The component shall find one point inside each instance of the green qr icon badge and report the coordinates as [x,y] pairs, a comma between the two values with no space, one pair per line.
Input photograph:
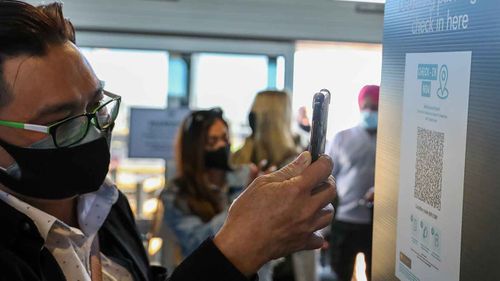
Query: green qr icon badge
[426,89]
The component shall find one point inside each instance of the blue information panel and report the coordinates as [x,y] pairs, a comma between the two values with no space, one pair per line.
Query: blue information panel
[153,131]
[438,157]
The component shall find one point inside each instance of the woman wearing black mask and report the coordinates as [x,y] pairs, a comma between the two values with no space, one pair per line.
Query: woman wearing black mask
[195,202]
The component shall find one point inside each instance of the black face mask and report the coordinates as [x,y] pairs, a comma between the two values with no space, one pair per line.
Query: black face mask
[306,128]
[252,121]
[57,173]
[218,159]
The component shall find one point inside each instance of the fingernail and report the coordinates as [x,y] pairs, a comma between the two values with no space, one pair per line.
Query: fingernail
[303,158]
[326,156]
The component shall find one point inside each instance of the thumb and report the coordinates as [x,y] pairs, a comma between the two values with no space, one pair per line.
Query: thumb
[315,241]
[293,169]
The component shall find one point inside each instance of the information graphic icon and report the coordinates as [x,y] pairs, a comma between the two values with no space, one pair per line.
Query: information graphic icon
[442,92]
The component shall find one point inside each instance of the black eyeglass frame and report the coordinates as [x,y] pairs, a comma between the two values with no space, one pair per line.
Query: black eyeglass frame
[90,116]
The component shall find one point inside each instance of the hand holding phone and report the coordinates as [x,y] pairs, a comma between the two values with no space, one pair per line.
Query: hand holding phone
[321,102]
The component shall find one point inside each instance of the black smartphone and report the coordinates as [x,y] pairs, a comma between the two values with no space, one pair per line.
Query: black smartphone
[321,102]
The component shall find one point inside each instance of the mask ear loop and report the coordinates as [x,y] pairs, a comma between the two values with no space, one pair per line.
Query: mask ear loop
[13,171]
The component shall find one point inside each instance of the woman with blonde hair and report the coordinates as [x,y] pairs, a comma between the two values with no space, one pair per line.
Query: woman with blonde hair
[272,139]
[273,143]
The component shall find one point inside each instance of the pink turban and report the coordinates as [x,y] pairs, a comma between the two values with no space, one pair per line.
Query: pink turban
[371,91]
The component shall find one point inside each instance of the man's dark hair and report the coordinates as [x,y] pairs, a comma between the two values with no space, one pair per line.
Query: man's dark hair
[29,30]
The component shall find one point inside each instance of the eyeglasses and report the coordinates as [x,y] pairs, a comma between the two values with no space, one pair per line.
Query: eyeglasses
[196,118]
[72,130]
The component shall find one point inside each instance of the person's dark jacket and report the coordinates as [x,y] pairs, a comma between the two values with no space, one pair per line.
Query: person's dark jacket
[23,257]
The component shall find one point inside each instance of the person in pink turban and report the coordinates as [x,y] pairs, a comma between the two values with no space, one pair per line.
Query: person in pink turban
[368,105]
[353,152]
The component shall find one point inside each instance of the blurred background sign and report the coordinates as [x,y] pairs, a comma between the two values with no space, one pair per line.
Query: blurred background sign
[153,131]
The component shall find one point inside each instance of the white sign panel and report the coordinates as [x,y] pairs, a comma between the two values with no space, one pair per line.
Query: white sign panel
[433,139]
[153,132]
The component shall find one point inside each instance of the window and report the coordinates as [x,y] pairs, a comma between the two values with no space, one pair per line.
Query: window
[157,79]
[231,82]
[140,77]
[342,68]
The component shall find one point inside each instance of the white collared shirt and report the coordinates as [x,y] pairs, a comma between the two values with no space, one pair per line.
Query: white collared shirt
[70,246]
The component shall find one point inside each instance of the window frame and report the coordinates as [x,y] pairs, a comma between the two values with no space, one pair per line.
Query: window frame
[185,44]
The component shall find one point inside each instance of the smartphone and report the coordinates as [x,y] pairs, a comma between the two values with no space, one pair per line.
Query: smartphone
[321,103]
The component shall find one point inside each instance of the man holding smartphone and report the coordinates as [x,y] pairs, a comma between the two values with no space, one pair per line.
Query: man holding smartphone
[61,220]
[353,151]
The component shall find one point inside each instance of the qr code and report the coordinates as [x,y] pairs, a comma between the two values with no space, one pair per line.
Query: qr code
[429,167]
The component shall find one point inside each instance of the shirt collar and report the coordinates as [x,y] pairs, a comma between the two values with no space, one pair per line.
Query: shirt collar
[92,208]
[42,220]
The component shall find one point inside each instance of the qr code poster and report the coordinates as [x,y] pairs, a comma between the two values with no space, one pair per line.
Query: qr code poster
[429,167]
[432,164]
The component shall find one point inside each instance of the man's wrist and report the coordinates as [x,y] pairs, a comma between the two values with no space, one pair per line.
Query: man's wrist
[242,255]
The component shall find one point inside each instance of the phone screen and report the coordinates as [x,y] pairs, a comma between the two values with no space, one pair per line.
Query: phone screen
[321,102]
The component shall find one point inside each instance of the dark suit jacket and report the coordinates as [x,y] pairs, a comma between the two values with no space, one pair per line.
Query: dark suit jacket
[23,257]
